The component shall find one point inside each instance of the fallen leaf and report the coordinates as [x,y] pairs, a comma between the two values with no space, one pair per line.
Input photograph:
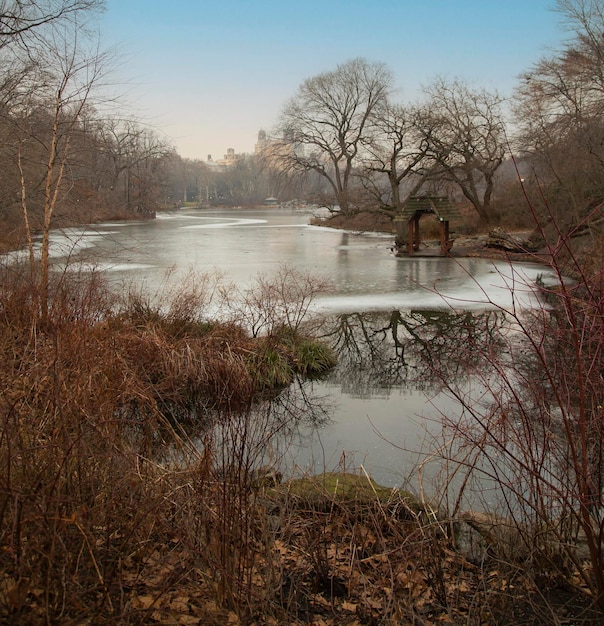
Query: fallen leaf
[180,604]
[142,602]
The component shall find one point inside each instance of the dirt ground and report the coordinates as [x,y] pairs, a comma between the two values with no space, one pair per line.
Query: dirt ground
[464,245]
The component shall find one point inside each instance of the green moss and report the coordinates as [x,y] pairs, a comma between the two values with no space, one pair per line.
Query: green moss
[346,489]
[284,353]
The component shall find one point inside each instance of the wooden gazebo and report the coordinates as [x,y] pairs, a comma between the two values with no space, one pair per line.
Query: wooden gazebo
[415,208]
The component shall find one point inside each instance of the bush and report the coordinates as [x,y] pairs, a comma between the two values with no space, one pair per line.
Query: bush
[536,435]
[95,408]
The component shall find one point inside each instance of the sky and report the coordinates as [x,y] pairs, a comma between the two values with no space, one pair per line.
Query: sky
[209,74]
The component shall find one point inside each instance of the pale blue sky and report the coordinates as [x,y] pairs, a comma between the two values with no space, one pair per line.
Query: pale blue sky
[210,73]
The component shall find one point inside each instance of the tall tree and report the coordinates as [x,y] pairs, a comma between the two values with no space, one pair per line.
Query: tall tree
[322,126]
[20,19]
[560,112]
[132,154]
[395,148]
[61,66]
[465,132]
[28,30]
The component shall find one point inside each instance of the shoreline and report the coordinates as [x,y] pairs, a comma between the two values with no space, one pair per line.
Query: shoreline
[465,246]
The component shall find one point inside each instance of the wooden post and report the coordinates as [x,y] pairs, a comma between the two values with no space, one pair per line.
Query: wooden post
[410,236]
[417,237]
[444,238]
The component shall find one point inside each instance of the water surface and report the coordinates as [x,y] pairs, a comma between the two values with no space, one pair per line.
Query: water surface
[373,411]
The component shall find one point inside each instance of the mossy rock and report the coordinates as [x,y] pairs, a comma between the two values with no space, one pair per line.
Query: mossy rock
[345,490]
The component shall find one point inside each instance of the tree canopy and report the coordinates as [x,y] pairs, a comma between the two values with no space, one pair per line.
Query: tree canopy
[321,128]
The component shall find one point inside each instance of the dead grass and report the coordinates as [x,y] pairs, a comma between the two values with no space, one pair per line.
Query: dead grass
[131,489]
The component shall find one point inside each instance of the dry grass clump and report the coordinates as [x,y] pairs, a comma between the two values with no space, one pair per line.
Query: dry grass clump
[134,485]
[91,403]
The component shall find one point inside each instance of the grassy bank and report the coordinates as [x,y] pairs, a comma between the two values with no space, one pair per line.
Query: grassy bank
[134,487]
[97,406]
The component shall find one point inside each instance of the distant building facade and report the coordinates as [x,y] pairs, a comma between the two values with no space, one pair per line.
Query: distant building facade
[262,142]
[275,149]
[265,146]
[229,159]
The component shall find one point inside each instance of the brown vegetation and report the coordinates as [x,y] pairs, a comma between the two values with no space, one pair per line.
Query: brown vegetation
[133,490]
[96,402]
[132,437]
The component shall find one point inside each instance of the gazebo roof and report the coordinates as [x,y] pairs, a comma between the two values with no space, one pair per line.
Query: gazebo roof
[441,206]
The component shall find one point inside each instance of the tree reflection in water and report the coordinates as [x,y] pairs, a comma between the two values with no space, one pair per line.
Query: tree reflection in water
[409,350]
[381,356]
[398,353]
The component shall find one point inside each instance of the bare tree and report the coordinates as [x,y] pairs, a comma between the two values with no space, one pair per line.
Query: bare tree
[64,66]
[465,132]
[132,153]
[322,126]
[22,18]
[560,107]
[395,148]
[27,28]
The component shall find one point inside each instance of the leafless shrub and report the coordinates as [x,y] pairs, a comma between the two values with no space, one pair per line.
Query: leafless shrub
[531,428]
[276,301]
[74,492]
[97,407]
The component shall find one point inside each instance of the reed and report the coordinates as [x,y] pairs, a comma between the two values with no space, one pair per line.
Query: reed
[535,435]
[97,406]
